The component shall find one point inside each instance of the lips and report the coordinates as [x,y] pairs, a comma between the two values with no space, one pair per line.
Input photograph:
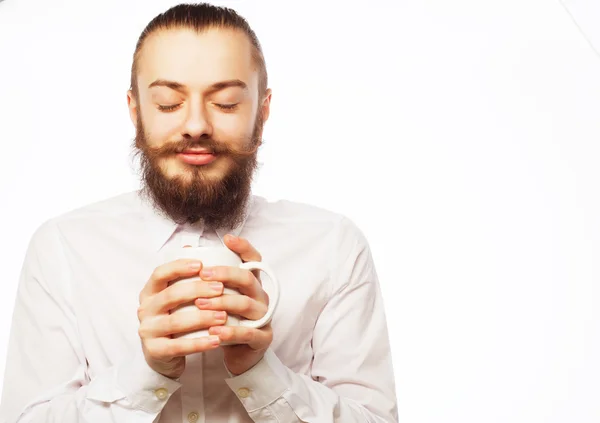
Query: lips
[197,157]
[197,151]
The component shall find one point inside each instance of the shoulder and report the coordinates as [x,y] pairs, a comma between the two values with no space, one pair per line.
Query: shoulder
[340,228]
[125,204]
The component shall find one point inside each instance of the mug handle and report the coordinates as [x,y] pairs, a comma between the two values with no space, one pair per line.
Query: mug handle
[272,292]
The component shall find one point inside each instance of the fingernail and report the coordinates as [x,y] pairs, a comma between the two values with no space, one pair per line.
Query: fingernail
[215,340]
[206,273]
[220,315]
[217,286]
[232,238]
[195,266]
[216,330]
[202,302]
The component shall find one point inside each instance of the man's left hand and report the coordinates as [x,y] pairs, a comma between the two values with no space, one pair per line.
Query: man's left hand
[251,304]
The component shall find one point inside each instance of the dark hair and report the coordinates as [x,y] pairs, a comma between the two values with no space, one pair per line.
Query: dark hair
[200,17]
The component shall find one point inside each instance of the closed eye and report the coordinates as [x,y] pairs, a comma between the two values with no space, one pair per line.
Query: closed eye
[228,107]
[169,108]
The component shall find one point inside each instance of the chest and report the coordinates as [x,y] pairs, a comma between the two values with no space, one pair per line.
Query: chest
[108,278]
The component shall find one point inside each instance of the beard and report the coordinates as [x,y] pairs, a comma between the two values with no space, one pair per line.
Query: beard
[219,201]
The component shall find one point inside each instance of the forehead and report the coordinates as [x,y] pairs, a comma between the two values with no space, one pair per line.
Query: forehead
[197,60]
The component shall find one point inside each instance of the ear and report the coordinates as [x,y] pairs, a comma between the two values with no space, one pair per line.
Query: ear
[266,105]
[133,107]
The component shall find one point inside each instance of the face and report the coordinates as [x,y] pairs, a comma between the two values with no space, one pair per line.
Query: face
[199,120]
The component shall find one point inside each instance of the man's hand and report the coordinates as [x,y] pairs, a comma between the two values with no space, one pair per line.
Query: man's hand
[252,304]
[163,353]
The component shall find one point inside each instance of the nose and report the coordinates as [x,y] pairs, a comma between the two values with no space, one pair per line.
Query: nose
[197,123]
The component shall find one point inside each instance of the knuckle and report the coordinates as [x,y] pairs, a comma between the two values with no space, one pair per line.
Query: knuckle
[172,294]
[142,296]
[200,289]
[147,329]
[160,352]
[172,349]
[228,334]
[221,272]
[168,296]
[262,309]
[154,351]
[248,335]
[201,344]
[175,324]
[246,304]
[189,291]
[268,331]
[142,332]
[141,311]
[250,278]
[157,274]
[217,303]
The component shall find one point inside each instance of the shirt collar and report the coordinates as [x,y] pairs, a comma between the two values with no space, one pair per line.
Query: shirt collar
[161,228]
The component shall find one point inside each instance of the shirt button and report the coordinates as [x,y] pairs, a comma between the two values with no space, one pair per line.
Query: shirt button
[243,392]
[161,393]
[193,417]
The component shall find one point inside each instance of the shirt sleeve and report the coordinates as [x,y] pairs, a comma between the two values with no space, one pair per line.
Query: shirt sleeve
[46,378]
[352,378]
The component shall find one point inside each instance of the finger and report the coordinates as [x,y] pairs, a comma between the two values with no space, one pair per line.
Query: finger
[257,339]
[163,349]
[165,273]
[242,247]
[240,305]
[180,323]
[180,293]
[241,279]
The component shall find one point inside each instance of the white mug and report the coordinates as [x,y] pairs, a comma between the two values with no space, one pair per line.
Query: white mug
[223,256]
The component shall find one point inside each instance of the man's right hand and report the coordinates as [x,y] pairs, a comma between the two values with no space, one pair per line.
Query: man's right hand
[163,353]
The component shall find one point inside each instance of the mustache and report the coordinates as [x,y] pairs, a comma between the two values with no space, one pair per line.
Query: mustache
[212,147]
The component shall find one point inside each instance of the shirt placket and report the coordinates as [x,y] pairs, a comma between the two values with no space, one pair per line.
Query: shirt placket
[192,395]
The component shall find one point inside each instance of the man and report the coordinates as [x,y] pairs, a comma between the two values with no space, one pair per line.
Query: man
[92,337]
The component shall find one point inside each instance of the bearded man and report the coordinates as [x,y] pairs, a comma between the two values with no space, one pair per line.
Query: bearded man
[94,338]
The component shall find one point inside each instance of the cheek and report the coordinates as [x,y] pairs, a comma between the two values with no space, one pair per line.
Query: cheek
[233,127]
[160,128]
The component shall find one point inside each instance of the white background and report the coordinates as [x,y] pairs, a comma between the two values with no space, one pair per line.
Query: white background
[461,136]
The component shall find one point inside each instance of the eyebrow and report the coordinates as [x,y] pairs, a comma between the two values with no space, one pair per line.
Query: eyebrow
[217,86]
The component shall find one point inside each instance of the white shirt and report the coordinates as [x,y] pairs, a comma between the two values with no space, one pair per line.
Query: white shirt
[75,355]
